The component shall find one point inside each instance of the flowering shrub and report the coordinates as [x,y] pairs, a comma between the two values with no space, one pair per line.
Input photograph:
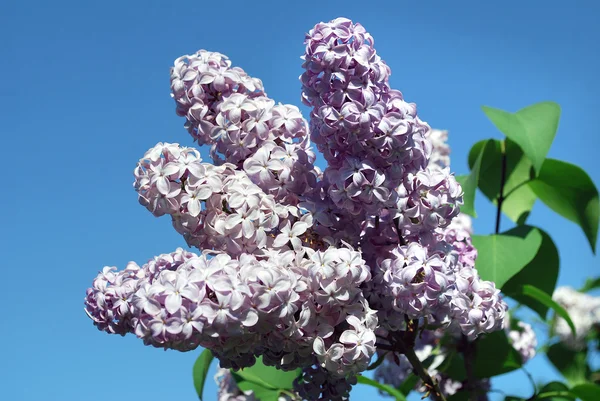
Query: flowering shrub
[320,273]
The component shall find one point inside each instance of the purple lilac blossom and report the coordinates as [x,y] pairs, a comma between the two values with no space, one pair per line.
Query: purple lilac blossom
[300,266]
[523,339]
[370,137]
[288,307]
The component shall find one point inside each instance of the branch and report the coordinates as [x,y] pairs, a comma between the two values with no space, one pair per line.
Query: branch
[502,179]
[420,370]
[403,342]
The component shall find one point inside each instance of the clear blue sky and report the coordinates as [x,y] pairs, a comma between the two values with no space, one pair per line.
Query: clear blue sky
[84,91]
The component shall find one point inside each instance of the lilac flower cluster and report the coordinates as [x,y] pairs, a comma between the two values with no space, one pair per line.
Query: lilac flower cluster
[368,134]
[229,110]
[584,310]
[286,307]
[109,303]
[215,207]
[300,266]
[433,276]
[523,339]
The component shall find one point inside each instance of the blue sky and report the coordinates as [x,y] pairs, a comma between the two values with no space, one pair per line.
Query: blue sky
[84,91]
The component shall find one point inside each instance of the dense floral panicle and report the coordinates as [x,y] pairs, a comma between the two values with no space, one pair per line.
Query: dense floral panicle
[368,134]
[284,281]
[200,81]
[440,154]
[584,310]
[476,306]
[418,282]
[427,201]
[229,110]
[215,207]
[523,339]
[290,307]
[458,234]
[109,301]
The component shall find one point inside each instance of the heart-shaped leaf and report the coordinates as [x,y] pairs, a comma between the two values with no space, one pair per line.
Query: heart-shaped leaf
[570,192]
[200,371]
[501,256]
[532,128]
[542,272]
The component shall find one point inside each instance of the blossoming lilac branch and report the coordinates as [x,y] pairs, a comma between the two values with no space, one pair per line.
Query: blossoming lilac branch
[306,268]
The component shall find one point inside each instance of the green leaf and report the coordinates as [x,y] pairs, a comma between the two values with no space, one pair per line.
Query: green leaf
[547,300]
[519,203]
[501,256]
[571,364]
[260,392]
[532,128]
[470,182]
[398,396]
[587,392]
[513,398]
[200,371]
[570,192]
[495,355]
[590,284]
[542,272]
[268,376]
[409,384]
[518,197]
[549,391]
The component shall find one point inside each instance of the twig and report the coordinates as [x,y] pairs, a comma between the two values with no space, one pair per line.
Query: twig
[403,342]
[420,370]
[502,179]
